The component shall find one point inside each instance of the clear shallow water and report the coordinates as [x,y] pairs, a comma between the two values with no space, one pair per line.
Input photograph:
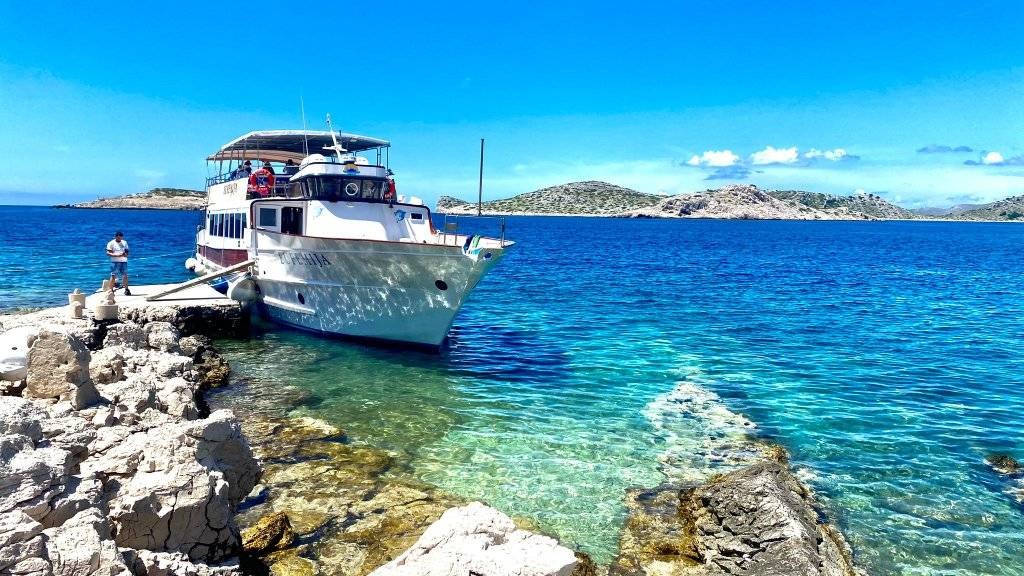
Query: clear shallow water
[604,354]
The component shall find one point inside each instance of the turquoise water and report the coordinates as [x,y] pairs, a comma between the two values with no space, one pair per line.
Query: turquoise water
[606,354]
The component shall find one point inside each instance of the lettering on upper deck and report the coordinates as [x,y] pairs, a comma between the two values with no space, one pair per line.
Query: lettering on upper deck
[304,259]
[231,188]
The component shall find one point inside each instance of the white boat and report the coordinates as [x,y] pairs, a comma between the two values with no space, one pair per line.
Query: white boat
[335,250]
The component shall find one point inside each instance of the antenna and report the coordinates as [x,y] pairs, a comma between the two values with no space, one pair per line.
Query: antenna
[305,129]
[337,147]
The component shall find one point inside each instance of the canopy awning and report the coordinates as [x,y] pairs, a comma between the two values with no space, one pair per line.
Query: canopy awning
[284,145]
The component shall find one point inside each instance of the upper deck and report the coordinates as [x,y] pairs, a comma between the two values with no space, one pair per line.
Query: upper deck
[294,155]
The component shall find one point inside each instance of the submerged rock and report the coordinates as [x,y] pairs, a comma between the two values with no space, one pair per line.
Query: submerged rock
[476,539]
[272,532]
[349,516]
[1004,464]
[756,521]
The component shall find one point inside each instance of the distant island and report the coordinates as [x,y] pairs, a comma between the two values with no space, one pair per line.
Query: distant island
[745,201]
[157,198]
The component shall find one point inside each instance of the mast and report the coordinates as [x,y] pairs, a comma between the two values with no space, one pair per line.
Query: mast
[480,188]
[305,140]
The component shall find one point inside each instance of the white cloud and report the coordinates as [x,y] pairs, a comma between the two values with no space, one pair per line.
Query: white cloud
[833,155]
[993,158]
[714,159]
[772,155]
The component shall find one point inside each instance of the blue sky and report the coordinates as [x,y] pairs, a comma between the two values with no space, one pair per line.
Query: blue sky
[920,102]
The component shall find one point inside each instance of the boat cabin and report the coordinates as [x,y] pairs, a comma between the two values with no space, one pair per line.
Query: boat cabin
[266,187]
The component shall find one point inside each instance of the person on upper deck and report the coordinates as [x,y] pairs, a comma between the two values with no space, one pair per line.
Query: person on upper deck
[290,167]
[268,167]
[243,171]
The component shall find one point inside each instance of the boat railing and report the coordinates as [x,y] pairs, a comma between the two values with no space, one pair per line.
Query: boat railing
[452,228]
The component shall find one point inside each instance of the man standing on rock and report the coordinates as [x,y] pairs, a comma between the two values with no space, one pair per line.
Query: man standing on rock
[117,249]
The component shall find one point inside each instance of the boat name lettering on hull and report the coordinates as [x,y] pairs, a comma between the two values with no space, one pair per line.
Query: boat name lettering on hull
[304,259]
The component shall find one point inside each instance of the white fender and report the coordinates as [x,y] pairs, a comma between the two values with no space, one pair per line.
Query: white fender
[191,263]
[14,345]
[242,290]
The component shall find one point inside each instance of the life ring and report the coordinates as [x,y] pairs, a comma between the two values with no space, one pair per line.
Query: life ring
[261,182]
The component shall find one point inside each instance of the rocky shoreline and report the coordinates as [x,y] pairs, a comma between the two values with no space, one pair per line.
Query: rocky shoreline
[111,462]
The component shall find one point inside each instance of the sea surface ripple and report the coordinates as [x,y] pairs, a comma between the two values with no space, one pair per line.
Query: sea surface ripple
[605,354]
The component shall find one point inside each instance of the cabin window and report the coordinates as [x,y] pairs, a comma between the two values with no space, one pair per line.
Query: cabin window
[416,216]
[268,217]
[333,188]
[291,220]
[244,218]
[370,189]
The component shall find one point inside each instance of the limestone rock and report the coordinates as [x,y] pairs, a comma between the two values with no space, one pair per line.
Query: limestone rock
[78,493]
[127,334]
[107,365]
[82,545]
[193,346]
[755,521]
[21,416]
[182,485]
[72,433]
[30,476]
[478,539]
[272,532]
[162,336]
[149,563]
[58,367]
[19,539]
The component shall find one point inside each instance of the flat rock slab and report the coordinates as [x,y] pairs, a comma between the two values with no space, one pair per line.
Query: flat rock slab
[477,539]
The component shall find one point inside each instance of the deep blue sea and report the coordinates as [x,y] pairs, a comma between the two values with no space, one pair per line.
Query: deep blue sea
[604,354]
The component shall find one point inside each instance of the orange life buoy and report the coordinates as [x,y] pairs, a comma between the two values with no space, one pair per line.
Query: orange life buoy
[261,182]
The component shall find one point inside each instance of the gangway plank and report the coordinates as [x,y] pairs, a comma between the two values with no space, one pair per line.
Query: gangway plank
[201,279]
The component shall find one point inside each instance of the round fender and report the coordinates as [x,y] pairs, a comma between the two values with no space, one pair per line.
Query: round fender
[243,290]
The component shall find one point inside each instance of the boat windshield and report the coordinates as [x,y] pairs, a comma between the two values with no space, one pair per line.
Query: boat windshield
[331,187]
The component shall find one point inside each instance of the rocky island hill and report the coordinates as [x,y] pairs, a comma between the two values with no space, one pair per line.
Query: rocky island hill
[590,198]
[157,198]
[738,201]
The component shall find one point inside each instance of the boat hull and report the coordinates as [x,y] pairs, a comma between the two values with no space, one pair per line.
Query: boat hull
[365,289]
